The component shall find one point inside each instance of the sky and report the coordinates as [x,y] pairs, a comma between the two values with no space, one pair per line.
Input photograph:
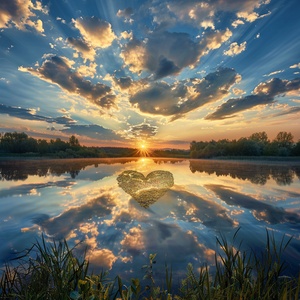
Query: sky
[154,72]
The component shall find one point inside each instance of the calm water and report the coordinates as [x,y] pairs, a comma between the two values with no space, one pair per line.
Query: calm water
[124,209]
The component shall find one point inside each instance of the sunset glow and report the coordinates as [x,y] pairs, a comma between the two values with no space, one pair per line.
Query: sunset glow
[168,73]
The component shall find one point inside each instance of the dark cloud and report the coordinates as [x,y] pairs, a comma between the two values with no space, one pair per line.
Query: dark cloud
[123,82]
[126,13]
[184,96]
[57,70]
[62,225]
[92,131]
[264,93]
[194,208]
[20,14]
[166,67]
[171,241]
[166,53]
[260,210]
[143,130]
[27,114]
[82,47]
[79,44]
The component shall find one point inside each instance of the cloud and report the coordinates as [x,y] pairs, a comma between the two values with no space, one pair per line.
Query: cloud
[82,47]
[235,49]
[30,114]
[88,70]
[95,31]
[274,73]
[237,22]
[92,131]
[133,242]
[126,14]
[167,53]
[290,110]
[143,130]
[123,82]
[295,66]
[237,91]
[62,225]
[19,13]
[102,257]
[177,99]
[204,13]
[58,70]
[263,94]
[251,16]
[260,210]
[174,243]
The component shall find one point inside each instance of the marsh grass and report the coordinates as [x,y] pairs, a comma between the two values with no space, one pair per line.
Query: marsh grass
[51,271]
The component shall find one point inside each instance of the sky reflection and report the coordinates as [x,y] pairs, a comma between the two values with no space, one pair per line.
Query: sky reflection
[200,200]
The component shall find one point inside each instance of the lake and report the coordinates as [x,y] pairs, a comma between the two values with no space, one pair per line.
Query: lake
[122,210]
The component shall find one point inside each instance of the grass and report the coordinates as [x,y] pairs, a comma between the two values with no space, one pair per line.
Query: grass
[51,271]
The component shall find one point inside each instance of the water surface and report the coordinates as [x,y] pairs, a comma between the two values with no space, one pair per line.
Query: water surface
[122,210]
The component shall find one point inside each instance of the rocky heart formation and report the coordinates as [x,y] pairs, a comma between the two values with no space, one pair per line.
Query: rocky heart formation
[146,190]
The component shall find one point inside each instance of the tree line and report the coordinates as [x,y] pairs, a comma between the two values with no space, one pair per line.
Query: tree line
[257,144]
[20,143]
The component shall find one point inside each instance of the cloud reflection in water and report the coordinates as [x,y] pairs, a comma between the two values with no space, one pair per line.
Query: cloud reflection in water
[194,202]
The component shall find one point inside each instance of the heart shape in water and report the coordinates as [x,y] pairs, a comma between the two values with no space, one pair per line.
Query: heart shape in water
[146,190]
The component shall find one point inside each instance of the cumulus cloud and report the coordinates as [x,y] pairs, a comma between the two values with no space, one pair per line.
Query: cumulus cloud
[204,13]
[87,70]
[104,258]
[167,53]
[143,130]
[95,31]
[20,13]
[161,98]
[82,47]
[126,14]
[235,49]
[264,93]
[133,242]
[123,82]
[61,226]
[58,70]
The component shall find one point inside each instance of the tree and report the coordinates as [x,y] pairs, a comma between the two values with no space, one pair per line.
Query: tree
[284,139]
[259,137]
[73,141]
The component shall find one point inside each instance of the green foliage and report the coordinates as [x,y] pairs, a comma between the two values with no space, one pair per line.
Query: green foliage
[257,144]
[55,273]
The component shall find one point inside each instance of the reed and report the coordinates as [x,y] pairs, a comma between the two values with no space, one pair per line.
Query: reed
[51,271]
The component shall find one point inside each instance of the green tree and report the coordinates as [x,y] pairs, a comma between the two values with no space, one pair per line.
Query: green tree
[284,139]
[73,141]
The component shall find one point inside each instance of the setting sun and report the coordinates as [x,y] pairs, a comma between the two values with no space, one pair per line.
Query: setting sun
[143,149]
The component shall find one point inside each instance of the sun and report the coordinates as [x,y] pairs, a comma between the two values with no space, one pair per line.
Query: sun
[143,149]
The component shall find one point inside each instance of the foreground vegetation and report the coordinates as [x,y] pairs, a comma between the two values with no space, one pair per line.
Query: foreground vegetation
[51,271]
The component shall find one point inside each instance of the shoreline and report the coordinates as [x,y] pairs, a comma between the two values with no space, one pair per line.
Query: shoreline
[278,160]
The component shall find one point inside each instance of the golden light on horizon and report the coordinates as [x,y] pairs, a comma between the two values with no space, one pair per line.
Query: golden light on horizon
[143,149]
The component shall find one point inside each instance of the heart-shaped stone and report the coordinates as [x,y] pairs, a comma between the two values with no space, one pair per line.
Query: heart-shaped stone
[146,190]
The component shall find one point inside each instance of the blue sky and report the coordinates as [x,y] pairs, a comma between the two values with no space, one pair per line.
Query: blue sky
[159,72]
